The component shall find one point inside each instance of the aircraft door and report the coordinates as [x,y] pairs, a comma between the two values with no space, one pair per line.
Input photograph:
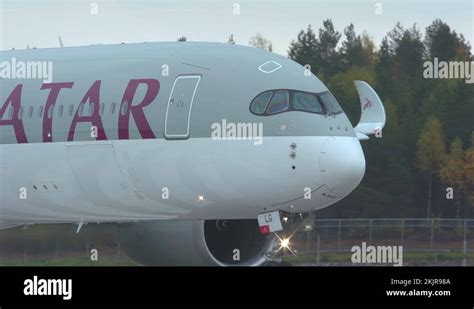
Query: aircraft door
[178,111]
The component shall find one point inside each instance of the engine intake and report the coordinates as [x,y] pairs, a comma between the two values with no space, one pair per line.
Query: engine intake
[196,242]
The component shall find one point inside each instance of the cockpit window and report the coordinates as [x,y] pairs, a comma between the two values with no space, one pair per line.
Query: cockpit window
[279,103]
[306,102]
[259,104]
[330,103]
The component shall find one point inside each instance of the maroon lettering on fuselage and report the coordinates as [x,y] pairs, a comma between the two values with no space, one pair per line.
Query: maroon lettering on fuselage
[137,110]
[14,101]
[10,110]
[50,102]
[93,96]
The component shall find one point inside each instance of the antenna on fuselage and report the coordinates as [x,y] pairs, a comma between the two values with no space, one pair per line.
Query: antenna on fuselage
[61,44]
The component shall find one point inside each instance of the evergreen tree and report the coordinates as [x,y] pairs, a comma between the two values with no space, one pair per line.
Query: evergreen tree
[409,51]
[304,49]
[351,46]
[440,41]
[395,36]
[356,50]
[327,54]
[383,68]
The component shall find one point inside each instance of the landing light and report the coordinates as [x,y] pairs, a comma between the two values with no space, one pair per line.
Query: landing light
[285,243]
[201,197]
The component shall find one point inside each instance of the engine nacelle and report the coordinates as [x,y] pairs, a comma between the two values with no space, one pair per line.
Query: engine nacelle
[196,243]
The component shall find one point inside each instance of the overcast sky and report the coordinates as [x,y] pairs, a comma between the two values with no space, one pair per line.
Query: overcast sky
[38,23]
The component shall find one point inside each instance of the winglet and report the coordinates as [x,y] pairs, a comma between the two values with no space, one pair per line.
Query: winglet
[372,119]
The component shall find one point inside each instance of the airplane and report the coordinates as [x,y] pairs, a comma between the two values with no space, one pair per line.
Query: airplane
[184,145]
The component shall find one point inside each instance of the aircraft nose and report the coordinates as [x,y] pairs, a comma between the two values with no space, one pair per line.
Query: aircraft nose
[342,164]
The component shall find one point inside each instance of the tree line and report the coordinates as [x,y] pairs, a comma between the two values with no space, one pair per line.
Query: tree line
[424,164]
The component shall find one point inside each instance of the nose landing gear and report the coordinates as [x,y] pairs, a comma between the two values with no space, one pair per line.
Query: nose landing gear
[285,245]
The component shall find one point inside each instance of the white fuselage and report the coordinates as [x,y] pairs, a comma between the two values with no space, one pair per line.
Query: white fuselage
[169,167]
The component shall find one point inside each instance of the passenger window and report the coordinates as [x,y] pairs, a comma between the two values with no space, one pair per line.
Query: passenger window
[40,111]
[124,108]
[306,102]
[279,102]
[70,110]
[81,109]
[50,111]
[60,110]
[330,103]
[30,111]
[112,108]
[259,104]
[20,113]
[102,106]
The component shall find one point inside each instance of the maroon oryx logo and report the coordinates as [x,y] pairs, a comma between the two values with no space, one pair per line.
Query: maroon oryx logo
[367,104]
